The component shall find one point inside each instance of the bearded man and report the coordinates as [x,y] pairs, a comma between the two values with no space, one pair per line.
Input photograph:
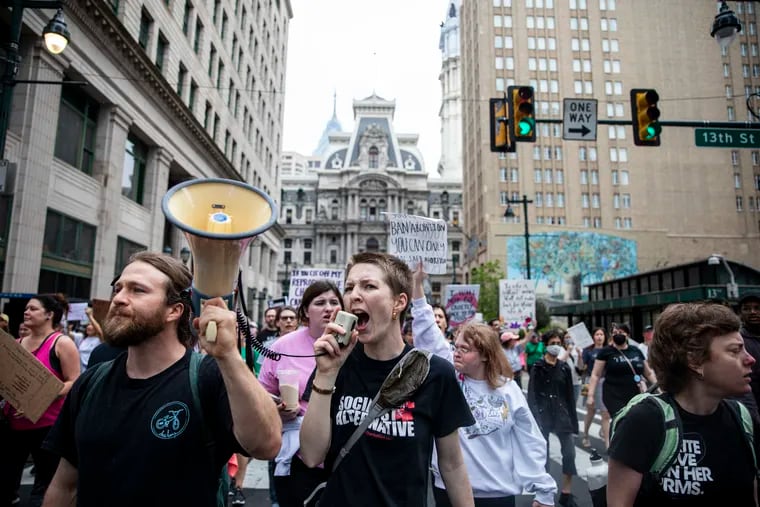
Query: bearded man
[139,438]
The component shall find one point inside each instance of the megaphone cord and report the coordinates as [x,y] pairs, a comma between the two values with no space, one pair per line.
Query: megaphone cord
[252,342]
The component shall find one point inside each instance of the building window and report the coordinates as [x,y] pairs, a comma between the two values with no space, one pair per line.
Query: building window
[191,97]
[133,175]
[68,252]
[77,125]
[181,76]
[198,36]
[186,17]
[124,250]
[333,256]
[309,215]
[146,23]
[289,216]
[372,245]
[161,48]
[307,258]
[739,203]
[374,154]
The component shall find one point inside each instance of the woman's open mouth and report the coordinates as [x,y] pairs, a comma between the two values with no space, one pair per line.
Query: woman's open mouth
[363,317]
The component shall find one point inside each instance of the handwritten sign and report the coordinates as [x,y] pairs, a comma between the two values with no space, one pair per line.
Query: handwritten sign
[77,312]
[517,301]
[25,383]
[300,279]
[416,239]
[461,302]
[580,335]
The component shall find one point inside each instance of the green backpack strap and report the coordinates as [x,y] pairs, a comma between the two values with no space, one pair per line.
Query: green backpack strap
[224,478]
[744,419]
[96,380]
[672,426]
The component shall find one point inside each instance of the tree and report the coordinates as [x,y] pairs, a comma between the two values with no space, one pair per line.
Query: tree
[488,276]
[543,318]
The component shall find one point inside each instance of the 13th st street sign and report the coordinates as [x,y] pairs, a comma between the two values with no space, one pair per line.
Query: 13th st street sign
[579,119]
[727,138]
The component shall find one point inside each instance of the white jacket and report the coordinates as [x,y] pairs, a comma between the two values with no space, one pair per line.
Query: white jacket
[504,451]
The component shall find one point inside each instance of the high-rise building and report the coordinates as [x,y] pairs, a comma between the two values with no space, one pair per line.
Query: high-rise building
[175,90]
[605,208]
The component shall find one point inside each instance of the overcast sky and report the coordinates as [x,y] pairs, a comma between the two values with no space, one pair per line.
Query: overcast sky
[355,47]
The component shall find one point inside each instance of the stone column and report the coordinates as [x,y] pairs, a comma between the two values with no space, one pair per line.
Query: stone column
[113,128]
[35,117]
[156,185]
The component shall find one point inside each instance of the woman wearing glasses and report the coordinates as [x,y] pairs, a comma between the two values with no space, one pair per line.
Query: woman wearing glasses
[504,451]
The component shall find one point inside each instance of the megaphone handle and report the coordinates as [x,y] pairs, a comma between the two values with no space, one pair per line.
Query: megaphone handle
[211,331]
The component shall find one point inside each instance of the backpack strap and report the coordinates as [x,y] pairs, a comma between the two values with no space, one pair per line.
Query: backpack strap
[96,379]
[193,370]
[672,426]
[743,418]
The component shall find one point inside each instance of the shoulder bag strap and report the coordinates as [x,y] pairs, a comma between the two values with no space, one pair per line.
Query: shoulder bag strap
[633,370]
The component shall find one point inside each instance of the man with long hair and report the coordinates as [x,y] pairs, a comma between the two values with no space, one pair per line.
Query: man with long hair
[140,438]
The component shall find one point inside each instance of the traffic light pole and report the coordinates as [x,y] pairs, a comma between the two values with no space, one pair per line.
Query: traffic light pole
[674,123]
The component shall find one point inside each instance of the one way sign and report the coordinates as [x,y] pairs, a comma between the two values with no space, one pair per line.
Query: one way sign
[579,122]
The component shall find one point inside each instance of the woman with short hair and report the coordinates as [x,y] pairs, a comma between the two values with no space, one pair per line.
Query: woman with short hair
[700,361]
[390,462]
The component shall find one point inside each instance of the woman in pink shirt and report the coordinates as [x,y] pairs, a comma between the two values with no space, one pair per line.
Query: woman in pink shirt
[59,354]
[293,480]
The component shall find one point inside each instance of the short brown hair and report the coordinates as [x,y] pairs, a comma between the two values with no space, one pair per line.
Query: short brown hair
[177,289]
[683,334]
[397,274]
[485,339]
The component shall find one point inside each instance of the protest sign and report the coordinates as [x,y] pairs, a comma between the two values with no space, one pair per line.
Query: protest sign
[415,239]
[580,335]
[25,383]
[76,312]
[461,302]
[517,301]
[300,279]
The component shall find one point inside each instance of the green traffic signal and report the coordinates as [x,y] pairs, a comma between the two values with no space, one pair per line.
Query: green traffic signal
[653,130]
[526,126]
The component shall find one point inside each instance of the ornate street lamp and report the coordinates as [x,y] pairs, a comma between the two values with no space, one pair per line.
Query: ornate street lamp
[725,27]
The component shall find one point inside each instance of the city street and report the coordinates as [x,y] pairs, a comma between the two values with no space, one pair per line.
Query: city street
[256,480]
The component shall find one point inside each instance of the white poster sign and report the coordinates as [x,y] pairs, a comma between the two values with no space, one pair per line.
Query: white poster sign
[517,301]
[300,279]
[461,302]
[580,335]
[77,312]
[416,239]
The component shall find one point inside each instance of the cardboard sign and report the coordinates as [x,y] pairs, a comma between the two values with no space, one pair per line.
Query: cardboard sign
[25,383]
[580,334]
[416,239]
[517,301]
[461,303]
[300,279]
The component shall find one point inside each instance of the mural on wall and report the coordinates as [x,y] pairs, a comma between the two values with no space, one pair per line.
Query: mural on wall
[562,263]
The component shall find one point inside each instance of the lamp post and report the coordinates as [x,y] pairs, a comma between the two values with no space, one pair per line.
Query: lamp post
[725,26]
[56,38]
[509,213]
[732,289]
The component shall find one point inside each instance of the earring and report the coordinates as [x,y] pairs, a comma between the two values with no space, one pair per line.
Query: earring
[394,315]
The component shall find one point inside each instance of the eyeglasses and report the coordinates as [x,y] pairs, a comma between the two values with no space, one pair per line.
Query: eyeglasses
[462,350]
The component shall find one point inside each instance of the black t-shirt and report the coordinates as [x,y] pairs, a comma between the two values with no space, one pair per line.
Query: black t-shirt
[104,352]
[713,466]
[139,441]
[619,381]
[389,465]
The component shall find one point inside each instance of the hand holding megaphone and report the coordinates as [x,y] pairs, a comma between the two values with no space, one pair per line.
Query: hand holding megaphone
[216,319]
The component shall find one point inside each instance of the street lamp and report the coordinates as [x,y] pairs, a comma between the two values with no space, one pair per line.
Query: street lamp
[732,289]
[184,254]
[56,35]
[509,213]
[725,27]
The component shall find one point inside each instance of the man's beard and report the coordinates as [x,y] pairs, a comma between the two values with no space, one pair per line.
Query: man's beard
[130,331]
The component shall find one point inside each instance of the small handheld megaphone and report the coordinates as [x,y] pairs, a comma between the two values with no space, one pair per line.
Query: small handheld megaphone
[219,218]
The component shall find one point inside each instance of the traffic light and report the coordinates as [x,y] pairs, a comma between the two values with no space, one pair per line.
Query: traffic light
[521,119]
[497,110]
[646,115]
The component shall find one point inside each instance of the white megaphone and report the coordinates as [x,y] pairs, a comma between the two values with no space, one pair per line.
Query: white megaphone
[219,218]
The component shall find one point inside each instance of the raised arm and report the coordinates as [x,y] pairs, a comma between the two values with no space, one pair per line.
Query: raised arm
[316,429]
[425,332]
[256,424]
[95,323]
